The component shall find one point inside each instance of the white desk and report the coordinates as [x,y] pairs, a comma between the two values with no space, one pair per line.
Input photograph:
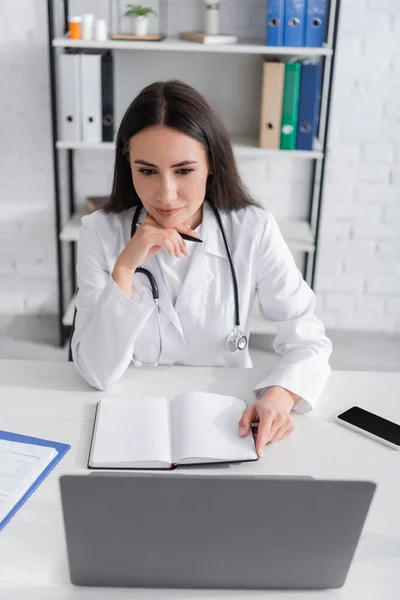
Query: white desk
[50,400]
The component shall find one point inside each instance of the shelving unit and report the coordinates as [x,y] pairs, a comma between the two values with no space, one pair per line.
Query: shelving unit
[301,235]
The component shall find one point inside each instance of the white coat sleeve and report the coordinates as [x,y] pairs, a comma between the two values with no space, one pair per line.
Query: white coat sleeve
[107,321]
[287,301]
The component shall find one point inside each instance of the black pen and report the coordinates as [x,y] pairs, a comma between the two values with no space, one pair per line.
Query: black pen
[184,236]
[190,238]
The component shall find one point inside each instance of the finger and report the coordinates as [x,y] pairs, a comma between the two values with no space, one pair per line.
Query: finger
[173,236]
[184,248]
[169,245]
[282,432]
[264,432]
[181,242]
[182,228]
[180,246]
[277,424]
[245,421]
[282,422]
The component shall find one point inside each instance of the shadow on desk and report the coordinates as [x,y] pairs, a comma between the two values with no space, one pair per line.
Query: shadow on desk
[60,376]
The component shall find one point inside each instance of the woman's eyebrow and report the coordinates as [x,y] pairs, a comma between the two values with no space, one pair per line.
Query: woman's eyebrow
[139,161]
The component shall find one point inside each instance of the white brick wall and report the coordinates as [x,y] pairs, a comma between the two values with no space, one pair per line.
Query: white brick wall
[358,274]
[27,250]
[359,250]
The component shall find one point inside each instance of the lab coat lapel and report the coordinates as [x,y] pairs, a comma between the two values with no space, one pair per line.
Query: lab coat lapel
[165,302]
[200,272]
[151,265]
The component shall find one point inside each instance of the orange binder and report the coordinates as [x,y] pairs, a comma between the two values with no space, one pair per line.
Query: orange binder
[271,105]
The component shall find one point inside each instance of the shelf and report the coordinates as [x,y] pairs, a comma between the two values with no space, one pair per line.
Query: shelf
[244,146]
[248,146]
[175,44]
[298,234]
[70,231]
[61,145]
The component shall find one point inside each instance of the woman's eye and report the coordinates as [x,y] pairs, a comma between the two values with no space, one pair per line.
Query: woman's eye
[148,172]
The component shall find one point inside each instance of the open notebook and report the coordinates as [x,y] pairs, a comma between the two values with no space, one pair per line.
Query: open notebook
[157,433]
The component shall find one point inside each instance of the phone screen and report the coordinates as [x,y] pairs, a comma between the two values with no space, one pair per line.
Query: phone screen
[372,423]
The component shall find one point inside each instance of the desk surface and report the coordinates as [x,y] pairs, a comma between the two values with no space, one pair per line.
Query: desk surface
[50,400]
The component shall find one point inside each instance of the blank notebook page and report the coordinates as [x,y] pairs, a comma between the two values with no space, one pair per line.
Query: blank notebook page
[131,430]
[207,426]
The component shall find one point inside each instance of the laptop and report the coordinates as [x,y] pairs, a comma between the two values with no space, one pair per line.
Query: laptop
[205,531]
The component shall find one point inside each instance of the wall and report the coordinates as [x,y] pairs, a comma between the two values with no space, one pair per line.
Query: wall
[358,275]
[359,268]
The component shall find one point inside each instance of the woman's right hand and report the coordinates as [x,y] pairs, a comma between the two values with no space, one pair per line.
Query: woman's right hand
[149,239]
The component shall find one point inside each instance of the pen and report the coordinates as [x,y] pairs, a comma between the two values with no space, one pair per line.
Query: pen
[184,236]
[190,238]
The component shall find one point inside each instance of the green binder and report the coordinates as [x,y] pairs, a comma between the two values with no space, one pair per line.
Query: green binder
[290,106]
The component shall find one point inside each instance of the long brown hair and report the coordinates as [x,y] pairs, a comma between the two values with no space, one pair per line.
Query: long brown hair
[179,106]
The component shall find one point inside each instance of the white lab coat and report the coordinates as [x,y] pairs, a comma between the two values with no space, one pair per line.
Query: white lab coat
[112,329]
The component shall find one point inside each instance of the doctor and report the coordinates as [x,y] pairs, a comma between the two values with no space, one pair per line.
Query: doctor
[190,302]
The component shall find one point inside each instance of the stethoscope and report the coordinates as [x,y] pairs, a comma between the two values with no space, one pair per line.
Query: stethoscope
[236,340]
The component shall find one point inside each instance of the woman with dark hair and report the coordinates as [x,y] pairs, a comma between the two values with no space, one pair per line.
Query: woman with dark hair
[168,270]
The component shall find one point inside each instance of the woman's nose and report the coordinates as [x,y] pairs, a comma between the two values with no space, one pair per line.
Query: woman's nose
[167,190]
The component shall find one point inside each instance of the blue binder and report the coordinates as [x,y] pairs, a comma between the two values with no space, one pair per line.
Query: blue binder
[309,101]
[275,17]
[26,439]
[315,22]
[294,25]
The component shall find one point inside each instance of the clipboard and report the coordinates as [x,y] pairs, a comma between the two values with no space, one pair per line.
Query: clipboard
[61,450]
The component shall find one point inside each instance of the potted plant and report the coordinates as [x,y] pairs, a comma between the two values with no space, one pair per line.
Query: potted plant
[141,17]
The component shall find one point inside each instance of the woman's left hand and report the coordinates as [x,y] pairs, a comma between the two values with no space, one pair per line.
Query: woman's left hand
[272,412]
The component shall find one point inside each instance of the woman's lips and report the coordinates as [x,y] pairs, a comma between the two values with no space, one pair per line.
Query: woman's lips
[167,213]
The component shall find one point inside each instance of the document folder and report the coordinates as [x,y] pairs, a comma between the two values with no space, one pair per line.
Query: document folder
[290,106]
[294,27]
[309,102]
[275,19]
[315,23]
[70,97]
[271,105]
[61,450]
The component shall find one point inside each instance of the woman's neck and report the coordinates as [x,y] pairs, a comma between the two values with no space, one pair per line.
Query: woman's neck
[195,219]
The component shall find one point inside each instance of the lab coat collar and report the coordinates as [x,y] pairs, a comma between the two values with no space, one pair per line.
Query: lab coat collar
[200,272]
[151,265]
[201,269]
[211,233]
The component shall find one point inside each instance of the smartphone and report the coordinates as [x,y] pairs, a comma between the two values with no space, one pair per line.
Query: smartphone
[371,425]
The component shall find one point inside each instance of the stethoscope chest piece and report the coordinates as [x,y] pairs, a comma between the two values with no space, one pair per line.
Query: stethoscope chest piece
[236,340]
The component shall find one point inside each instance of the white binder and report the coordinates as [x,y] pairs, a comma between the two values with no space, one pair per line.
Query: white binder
[91,97]
[70,98]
